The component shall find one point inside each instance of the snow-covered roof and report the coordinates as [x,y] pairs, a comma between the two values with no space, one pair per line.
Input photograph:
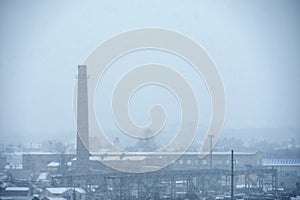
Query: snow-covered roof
[53,164]
[17,189]
[134,158]
[20,153]
[42,176]
[16,198]
[61,190]
[112,158]
[281,162]
[171,153]
[55,198]
[117,156]
[80,190]
[92,158]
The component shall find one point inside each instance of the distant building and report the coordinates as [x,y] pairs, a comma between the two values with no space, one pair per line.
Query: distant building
[43,180]
[4,177]
[53,166]
[64,192]
[3,161]
[20,175]
[17,191]
[14,160]
[288,172]
[39,161]
[220,160]
[188,161]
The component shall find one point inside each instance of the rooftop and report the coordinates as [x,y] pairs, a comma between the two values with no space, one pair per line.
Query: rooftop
[281,162]
[17,189]
[53,164]
[42,176]
[61,190]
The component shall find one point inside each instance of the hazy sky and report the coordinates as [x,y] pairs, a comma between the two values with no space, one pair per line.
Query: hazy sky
[254,44]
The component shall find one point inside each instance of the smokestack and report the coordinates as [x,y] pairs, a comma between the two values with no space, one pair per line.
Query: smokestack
[82,121]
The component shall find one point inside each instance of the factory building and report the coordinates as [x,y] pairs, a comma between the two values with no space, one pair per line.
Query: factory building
[288,171]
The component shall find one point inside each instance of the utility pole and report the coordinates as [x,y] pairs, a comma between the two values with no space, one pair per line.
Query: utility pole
[74,194]
[232,175]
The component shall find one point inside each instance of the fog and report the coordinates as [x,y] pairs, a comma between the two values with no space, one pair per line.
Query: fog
[197,100]
[255,46]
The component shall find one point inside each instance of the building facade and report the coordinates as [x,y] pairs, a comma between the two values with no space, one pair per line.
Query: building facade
[288,172]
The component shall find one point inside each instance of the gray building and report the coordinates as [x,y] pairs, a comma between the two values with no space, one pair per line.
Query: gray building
[39,161]
[3,161]
[288,172]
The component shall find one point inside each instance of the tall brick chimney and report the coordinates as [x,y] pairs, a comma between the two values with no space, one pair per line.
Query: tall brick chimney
[82,122]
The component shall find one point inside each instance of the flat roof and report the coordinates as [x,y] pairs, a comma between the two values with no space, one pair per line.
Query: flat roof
[17,189]
[280,162]
[61,190]
[166,153]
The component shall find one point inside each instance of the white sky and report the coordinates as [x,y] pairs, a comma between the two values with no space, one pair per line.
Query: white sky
[254,44]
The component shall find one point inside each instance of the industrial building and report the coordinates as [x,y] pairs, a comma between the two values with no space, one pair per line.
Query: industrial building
[288,171]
